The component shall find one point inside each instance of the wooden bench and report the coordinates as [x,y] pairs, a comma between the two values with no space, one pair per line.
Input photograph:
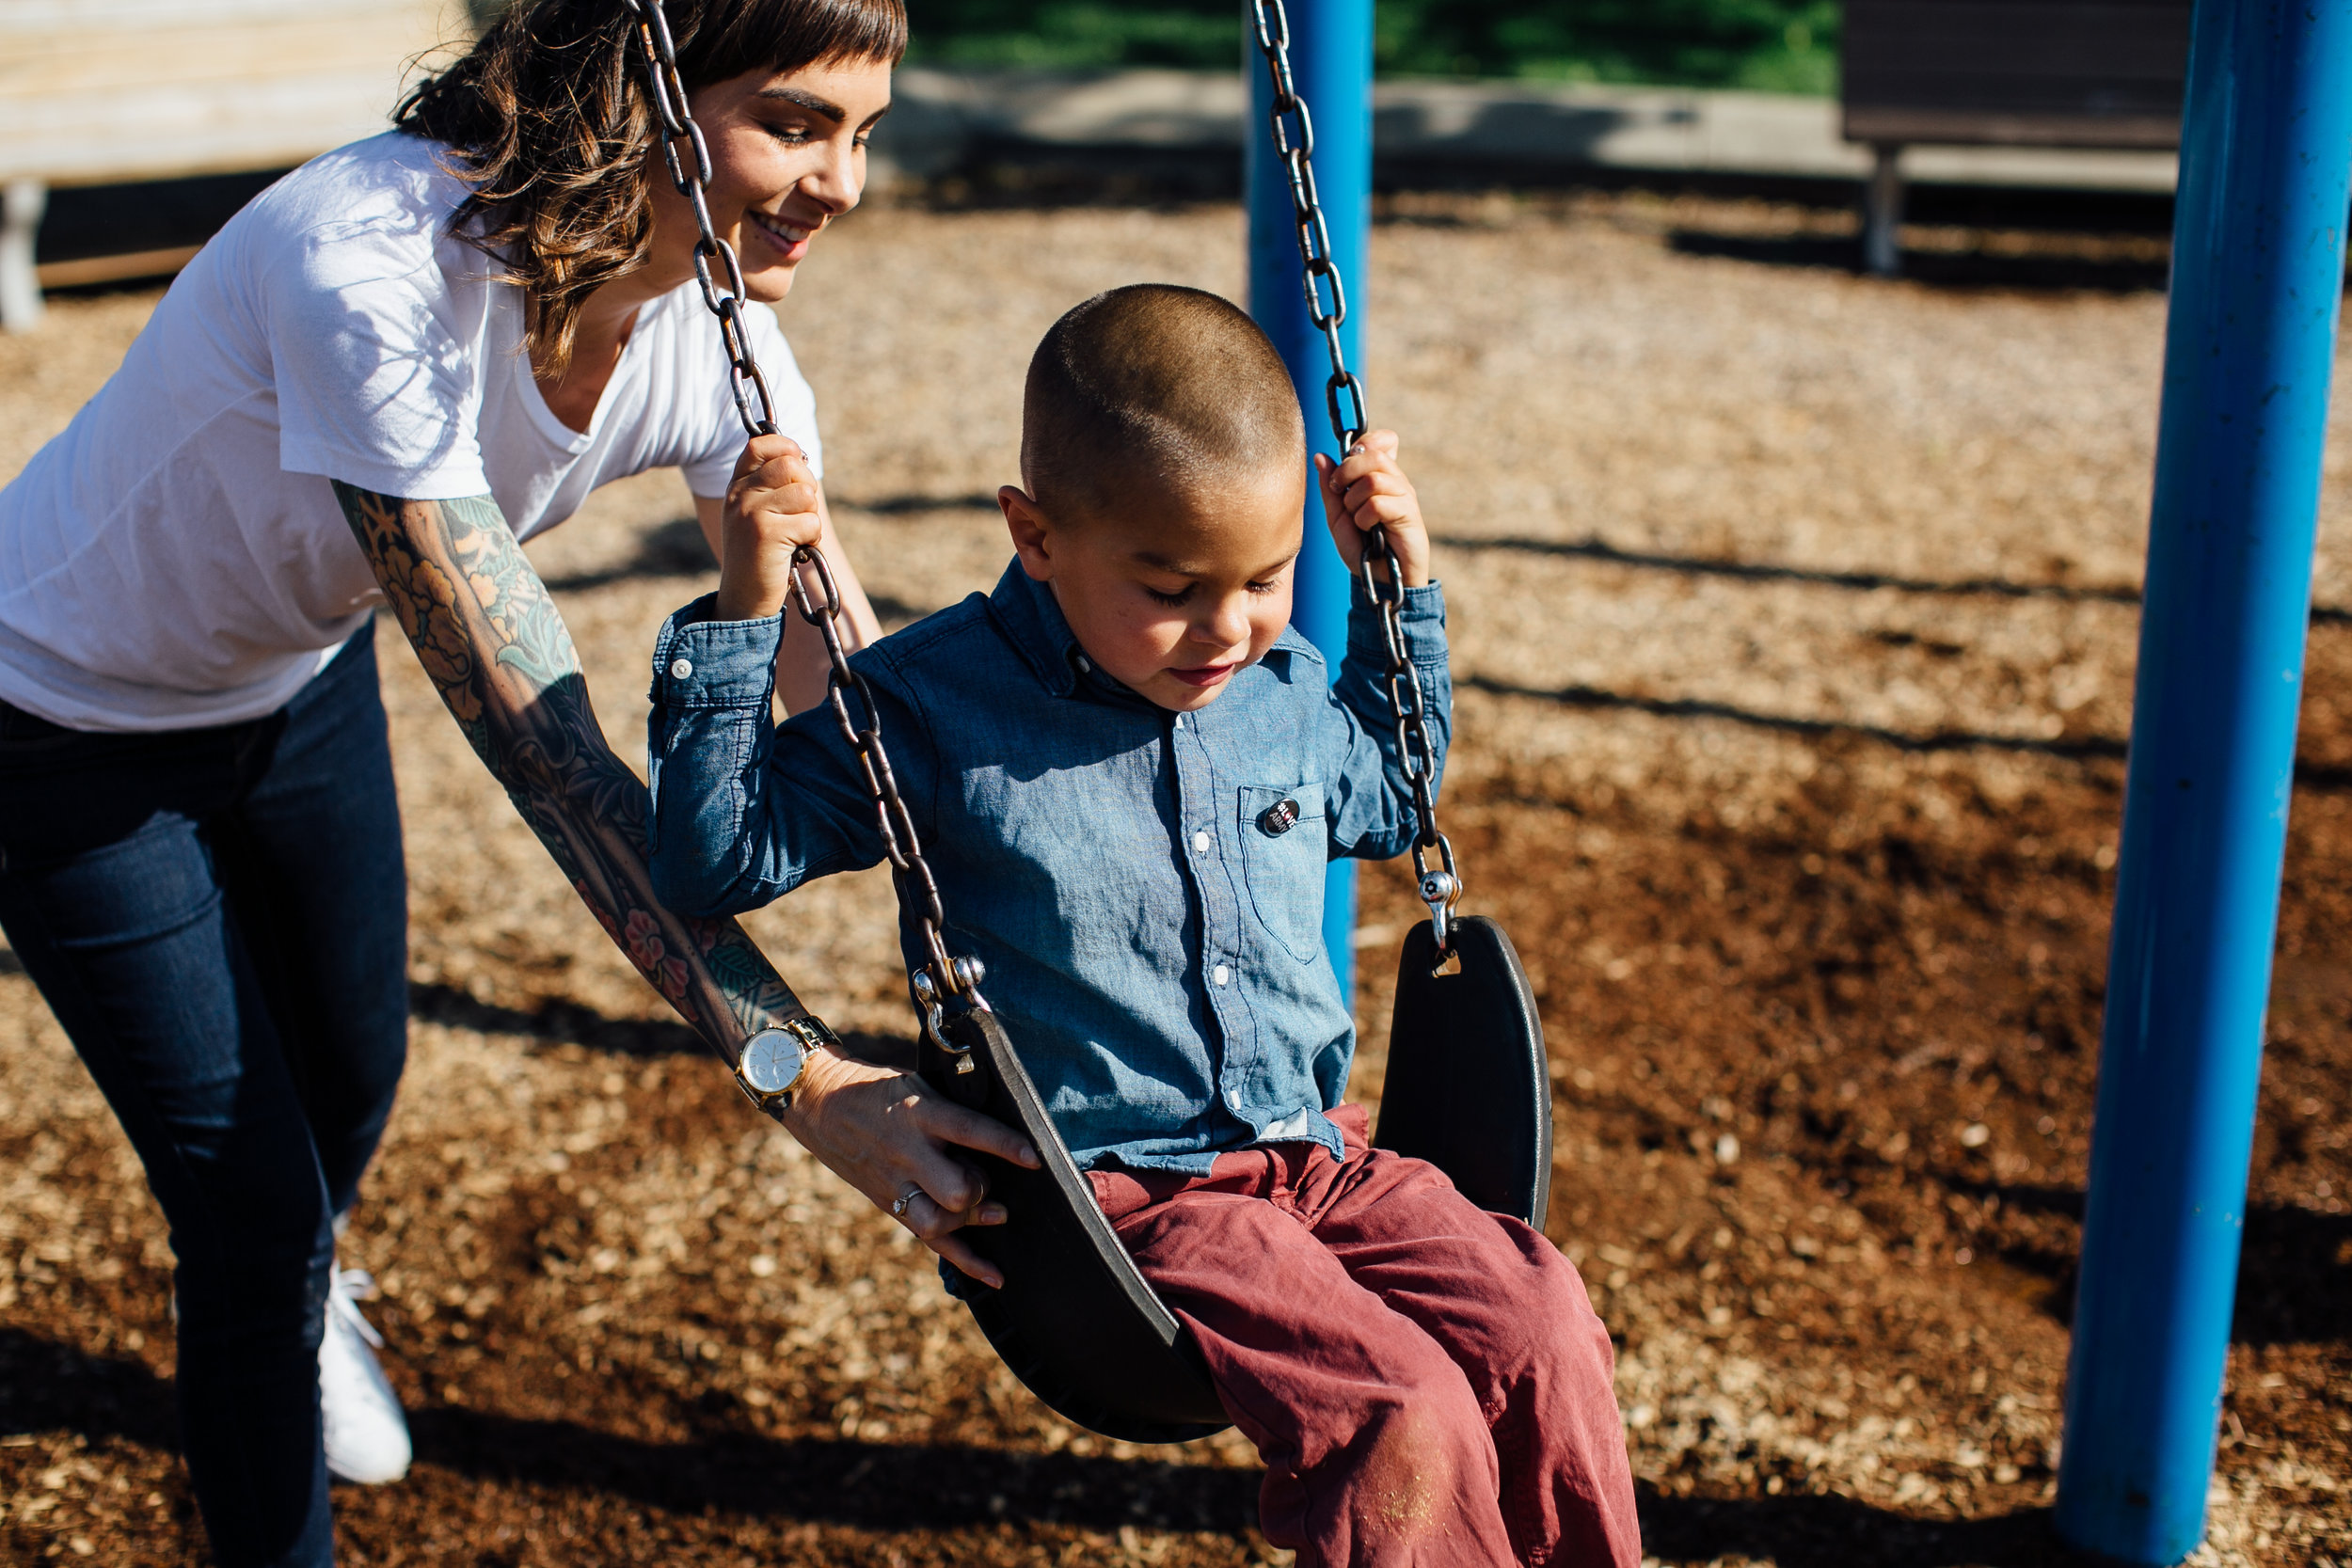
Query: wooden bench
[103,91]
[2070,74]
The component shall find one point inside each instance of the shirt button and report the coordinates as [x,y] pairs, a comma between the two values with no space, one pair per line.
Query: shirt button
[1086,664]
[680,669]
[1200,846]
[1220,974]
[1233,1098]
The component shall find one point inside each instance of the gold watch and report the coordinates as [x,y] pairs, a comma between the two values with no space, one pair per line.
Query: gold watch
[771,1059]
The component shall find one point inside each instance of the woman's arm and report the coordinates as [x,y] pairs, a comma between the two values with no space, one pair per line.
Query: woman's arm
[802,667]
[489,637]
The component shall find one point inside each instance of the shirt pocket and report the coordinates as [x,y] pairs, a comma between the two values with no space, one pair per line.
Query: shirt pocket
[1282,857]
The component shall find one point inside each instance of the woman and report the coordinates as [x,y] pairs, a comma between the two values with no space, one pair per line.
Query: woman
[393,365]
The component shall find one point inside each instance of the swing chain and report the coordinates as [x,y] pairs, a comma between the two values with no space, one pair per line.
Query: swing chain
[1440,885]
[945,975]
[1293,130]
[667,89]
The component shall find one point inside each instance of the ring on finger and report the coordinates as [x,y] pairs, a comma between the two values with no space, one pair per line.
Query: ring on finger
[898,1205]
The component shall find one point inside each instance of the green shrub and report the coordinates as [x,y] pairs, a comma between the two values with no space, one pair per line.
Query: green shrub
[1073,35]
[1774,45]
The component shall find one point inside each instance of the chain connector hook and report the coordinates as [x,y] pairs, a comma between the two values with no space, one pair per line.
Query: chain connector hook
[933,1006]
[1441,889]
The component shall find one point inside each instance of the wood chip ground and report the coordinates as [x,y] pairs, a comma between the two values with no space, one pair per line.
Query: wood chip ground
[1795,619]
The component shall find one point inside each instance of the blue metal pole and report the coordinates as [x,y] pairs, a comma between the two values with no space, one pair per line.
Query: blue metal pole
[1331,63]
[2258,248]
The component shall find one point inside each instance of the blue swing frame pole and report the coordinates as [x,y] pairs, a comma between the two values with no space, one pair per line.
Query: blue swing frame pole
[2258,250]
[1331,63]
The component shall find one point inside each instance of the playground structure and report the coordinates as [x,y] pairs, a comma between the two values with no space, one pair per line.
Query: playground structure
[2258,268]
[2257,284]
[99,91]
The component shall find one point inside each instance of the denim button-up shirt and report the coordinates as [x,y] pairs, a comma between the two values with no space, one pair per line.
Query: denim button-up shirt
[1153,937]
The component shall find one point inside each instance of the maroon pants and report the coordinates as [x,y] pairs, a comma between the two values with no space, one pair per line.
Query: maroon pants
[1427,1383]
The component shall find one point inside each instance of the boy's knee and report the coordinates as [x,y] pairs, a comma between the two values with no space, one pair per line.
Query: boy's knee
[1413,1469]
[1419,1457]
[1442,1408]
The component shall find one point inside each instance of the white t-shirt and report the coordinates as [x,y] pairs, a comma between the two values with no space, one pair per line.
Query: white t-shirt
[175,558]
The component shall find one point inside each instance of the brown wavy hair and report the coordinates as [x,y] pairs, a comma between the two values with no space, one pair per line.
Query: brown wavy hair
[547,121]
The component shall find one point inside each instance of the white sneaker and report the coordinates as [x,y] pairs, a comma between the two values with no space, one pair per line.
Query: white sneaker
[367,1437]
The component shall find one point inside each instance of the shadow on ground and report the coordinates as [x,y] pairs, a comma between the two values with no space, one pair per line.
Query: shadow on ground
[1835,1529]
[1599,699]
[569,1023]
[677,549]
[47,1387]
[1766,571]
[1955,269]
[672,549]
[2294,1266]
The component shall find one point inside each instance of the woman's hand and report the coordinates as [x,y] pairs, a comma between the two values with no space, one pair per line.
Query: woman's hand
[1370,490]
[771,509]
[889,1137]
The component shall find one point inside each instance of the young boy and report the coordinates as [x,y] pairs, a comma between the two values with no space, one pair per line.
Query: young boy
[1128,773]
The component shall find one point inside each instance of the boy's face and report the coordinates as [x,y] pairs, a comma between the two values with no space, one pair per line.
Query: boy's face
[1179,592]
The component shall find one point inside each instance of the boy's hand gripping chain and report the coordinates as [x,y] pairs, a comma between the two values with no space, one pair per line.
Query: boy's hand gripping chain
[944,975]
[1295,145]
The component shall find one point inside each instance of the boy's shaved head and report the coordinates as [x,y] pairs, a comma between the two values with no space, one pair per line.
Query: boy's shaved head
[1152,388]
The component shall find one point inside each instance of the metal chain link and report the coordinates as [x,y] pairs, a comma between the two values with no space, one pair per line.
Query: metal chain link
[945,975]
[667,91]
[1326,307]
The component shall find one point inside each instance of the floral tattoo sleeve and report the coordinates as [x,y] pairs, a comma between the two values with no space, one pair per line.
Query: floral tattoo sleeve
[497,651]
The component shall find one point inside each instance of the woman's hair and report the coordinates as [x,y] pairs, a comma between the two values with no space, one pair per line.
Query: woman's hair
[547,120]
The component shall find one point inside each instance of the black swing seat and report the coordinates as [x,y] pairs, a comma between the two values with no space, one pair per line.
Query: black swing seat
[1468,1089]
[1076,1320]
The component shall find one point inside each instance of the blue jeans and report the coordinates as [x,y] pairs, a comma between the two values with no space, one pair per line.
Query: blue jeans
[218,917]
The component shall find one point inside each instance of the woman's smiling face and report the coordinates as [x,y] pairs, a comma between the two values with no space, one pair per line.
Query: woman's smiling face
[788,156]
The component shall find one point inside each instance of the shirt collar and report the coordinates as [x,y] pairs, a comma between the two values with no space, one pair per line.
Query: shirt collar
[1025,610]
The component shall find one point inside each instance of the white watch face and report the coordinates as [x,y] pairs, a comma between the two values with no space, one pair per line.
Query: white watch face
[772,1060]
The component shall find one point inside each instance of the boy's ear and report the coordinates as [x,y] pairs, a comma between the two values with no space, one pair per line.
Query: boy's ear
[1032,536]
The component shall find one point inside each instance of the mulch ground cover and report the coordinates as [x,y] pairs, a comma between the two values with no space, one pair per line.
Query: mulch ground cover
[1793,621]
